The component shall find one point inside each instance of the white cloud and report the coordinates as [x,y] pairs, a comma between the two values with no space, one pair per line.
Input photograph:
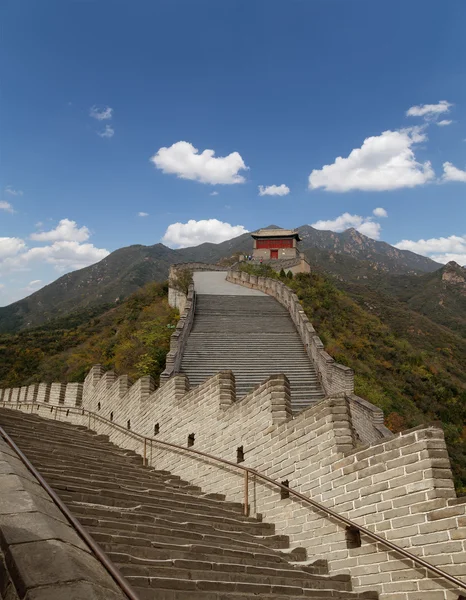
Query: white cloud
[183,159]
[10,246]
[192,233]
[429,111]
[10,190]
[66,230]
[143,214]
[444,122]
[33,286]
[371,229]
[63,255]
[365,225]
[380,212]
[452,173]
[274,190]
[108,132]
[101,114]
[6,206]
[384,162]
[213,193]
[443,249]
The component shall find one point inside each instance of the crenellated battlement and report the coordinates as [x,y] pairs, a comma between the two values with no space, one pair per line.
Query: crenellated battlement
[400,488]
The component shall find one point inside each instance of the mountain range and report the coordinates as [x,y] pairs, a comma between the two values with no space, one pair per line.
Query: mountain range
[348,256]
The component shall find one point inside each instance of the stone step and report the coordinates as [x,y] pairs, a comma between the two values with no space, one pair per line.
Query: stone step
[160,551]
[189,513]
[258,564]
[129,517]
[251,587]
[191,531]
[178,538]
[155,491]
[236,573]
[92,473]
[147,477]
[146,593]
[169,502]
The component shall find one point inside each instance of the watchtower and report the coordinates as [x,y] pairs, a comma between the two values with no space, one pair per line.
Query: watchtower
[275,244]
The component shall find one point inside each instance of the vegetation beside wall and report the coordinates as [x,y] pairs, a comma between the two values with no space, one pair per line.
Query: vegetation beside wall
[404,363]
[132,338]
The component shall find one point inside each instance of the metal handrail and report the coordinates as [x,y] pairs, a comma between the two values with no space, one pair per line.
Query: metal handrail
[248,471]
[100,555]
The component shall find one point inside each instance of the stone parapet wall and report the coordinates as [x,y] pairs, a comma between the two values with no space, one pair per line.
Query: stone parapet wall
[41,555]
[179,337]
[336,379]
[400,488]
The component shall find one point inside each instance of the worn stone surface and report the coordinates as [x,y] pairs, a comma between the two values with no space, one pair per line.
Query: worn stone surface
[49,562]
[33,526]
[80,590]
[40,548]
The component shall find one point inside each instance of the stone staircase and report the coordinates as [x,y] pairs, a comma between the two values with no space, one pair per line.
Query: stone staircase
[170,541]
[253,336]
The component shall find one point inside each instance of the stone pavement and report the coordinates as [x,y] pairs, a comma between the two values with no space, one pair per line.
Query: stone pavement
[215,284]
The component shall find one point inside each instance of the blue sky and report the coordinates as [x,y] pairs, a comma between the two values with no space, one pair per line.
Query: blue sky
[269,92]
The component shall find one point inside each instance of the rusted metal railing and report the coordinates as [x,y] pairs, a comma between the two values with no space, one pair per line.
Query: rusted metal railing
[252,472]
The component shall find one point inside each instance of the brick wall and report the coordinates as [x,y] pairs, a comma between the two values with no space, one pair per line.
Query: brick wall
[400,488]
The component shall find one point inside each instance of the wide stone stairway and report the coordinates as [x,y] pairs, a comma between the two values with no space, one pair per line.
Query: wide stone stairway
[250,333]
[171,541]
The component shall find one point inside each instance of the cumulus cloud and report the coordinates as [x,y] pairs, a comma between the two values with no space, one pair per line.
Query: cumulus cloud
[429,111]
[66,230]
[384,162]
[444,122]
[452,173]
[213,193]
[10,190]
[10,246]
[274,190]
[183,160]
[380,212]
[443,249]
[6,206]
[143,214]
[63,255]
[108,132]
[101,114]
[365,225]
[192,233]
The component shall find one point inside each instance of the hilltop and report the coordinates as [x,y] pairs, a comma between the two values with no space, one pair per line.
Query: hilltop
[127,269]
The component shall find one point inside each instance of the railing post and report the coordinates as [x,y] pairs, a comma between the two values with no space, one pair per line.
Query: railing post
[145,451]
[246,493]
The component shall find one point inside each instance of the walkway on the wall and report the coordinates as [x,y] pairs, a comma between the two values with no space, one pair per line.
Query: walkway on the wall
[214,283]
[250,333]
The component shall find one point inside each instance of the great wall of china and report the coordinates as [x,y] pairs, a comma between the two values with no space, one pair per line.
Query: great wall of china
[335,450]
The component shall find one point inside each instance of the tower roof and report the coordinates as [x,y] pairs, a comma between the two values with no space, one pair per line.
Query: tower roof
[276,233]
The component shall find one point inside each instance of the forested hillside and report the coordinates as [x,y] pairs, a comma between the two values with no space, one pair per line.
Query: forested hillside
[132,338]
[403,362]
